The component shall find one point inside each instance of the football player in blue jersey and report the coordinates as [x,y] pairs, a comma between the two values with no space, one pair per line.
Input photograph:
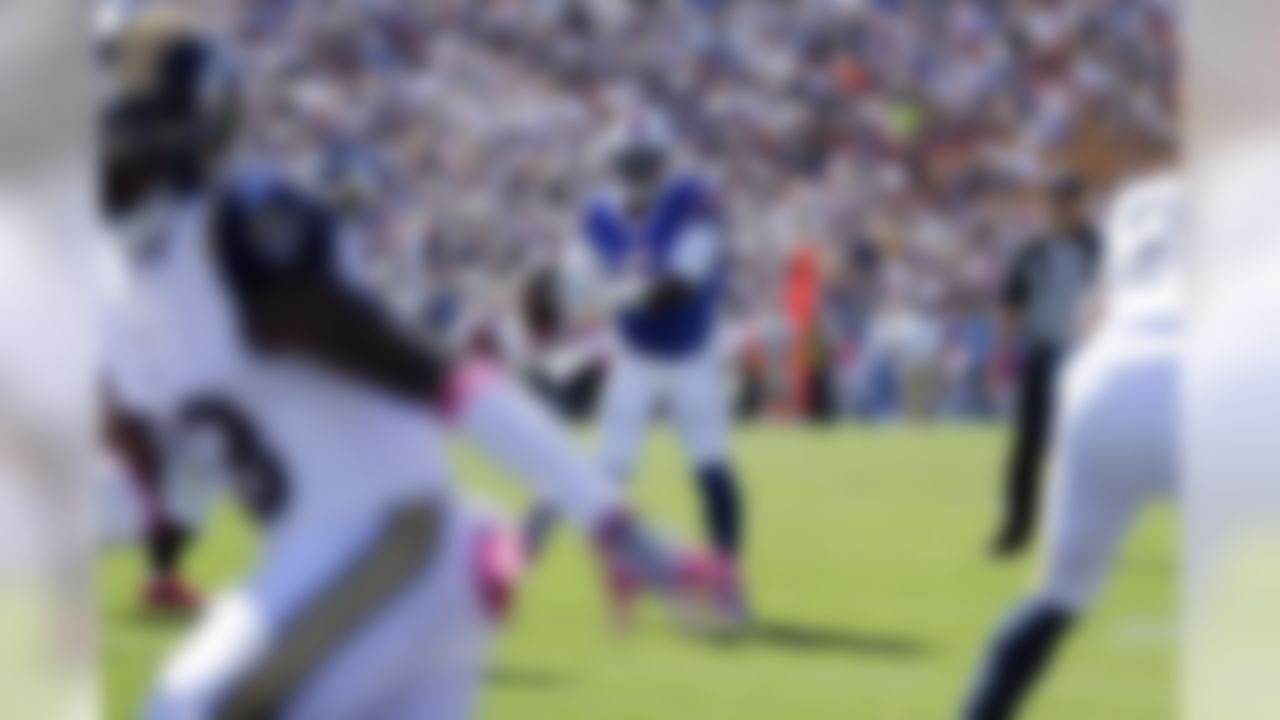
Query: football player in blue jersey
[655,243]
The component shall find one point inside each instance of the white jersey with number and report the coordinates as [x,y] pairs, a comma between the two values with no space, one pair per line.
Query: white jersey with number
[333,447]
[1143,252]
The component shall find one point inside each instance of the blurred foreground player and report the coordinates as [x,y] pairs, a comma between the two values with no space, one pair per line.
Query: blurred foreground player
[376,589]
[656,247]
[1041,302]
[1115,439]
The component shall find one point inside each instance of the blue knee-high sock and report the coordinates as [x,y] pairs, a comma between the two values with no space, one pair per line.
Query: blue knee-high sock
[722,507]
[1017,659]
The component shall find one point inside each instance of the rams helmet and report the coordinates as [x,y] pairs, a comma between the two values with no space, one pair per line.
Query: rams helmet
[170,107]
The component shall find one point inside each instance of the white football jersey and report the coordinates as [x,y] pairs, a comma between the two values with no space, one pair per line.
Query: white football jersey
[1143,251]
[316,442]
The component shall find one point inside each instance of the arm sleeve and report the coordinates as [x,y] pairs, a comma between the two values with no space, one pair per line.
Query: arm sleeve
[509,424]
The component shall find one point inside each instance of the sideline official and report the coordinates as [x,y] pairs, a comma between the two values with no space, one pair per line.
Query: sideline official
[1042,295]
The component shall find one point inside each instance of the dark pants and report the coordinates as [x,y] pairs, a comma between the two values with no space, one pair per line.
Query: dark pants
[1031,439]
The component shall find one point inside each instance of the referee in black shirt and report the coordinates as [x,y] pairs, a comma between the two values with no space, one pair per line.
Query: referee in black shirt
[1042,294]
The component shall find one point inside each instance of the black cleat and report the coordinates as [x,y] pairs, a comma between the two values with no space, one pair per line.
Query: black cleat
[1010,543]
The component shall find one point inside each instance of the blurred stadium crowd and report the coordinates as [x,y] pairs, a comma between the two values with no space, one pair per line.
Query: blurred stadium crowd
[880,160]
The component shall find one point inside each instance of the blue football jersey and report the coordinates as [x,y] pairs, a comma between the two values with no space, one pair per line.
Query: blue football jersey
[648,245]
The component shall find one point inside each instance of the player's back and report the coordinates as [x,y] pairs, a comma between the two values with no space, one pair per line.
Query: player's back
[306,438]
[1144,253]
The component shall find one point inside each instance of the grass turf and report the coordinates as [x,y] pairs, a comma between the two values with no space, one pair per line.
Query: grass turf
[874,596]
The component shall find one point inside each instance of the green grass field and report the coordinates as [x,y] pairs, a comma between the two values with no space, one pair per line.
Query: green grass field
[870,581]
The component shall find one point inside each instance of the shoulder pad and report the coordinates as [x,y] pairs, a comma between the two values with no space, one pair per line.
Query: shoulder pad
[264,228]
